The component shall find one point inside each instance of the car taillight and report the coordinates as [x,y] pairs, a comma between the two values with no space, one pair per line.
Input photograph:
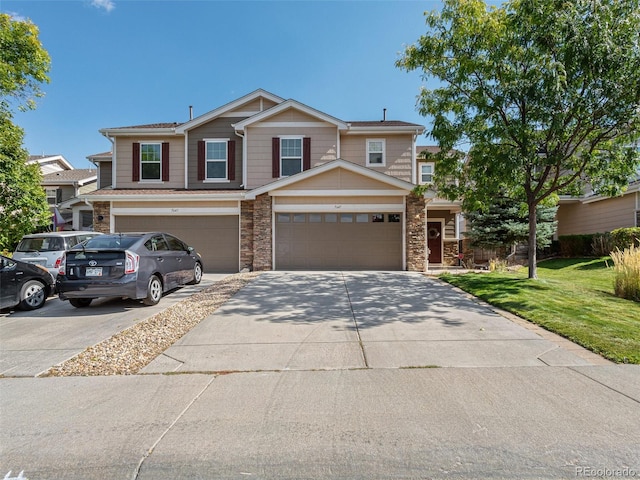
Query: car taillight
[61,264]
[132,262]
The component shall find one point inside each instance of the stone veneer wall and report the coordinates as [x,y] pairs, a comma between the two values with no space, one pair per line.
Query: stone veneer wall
[450,253]
[104,209]
[416,238]
[246,234]
[262,242]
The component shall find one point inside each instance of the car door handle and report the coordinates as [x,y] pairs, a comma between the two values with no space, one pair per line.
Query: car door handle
[160,259]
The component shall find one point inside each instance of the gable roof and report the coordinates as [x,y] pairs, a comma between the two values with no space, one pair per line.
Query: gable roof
[80,176]
[168,128]
[325,167]
[384,126]
[42,160]
[286,105]
[228,107]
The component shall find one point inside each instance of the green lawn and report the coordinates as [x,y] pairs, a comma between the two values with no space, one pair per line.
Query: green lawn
[572,297]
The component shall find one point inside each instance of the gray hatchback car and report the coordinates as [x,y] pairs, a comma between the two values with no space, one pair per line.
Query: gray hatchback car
[139,266]
[47,249]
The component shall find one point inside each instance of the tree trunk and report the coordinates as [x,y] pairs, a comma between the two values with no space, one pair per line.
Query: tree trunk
[533,223]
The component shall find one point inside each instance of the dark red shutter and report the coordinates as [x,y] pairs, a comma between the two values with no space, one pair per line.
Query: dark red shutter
[275,157]
[201,152]
[306,153]
[231,159]
[165,161]
[135,163]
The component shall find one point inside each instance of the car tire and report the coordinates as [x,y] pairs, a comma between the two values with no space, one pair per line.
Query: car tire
[32,295]
[197,274]
[154,291]
[80,302]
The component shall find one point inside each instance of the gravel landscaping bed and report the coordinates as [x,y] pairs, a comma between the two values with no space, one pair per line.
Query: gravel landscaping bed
[128,351]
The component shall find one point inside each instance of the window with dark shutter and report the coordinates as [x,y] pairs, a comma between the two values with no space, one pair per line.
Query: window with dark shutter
[135,163]
[231,160]
[165,162]
[275,157]
[201,160]
[306,153]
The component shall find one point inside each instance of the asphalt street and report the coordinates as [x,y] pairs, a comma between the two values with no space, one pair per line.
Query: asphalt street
[336,375]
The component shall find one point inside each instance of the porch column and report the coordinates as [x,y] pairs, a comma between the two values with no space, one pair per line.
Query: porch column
[246,234]
[262,242]
[416,241]
[101,217]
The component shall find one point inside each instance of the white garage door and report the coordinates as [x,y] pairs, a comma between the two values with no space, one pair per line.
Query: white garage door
[214,237]
[338,241]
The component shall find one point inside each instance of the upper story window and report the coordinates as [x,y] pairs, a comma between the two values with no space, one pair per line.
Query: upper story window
[150,161]
[216,159]
[290,156]
[54,195]
[425,172]
[375,152]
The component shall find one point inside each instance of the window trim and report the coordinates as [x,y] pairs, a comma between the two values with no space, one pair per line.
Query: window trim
[150,180]
[282,157]
[369,152]
[420,177]
[224,179]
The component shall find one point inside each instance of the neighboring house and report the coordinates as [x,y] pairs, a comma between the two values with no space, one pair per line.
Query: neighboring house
[63,184]
[598,214]
[267,183]
[102,161]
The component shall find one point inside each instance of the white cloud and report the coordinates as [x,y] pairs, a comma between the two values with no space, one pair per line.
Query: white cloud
[108,5]
[17,17]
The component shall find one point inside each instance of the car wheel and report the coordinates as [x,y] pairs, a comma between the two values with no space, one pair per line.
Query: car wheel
[80,302]
[197,274]
[154,291]
[32,295]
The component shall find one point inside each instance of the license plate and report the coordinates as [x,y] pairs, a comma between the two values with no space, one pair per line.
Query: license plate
[93,272]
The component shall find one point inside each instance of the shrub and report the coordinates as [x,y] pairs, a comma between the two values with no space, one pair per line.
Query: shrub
[498,265]
[576,245]
[627,272]
[625,237]
[602,244]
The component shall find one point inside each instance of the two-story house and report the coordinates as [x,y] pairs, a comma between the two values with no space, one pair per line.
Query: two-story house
[63,184]
[267,183]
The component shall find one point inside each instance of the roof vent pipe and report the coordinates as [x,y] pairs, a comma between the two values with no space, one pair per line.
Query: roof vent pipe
[190,112]
[384,114]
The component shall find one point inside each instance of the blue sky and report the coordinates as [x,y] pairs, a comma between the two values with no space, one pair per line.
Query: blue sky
[129,62]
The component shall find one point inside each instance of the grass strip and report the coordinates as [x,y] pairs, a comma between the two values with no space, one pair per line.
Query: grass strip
[572,297]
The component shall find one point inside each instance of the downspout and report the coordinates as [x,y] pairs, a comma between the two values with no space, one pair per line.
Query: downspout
[113,158]
[244,158]
[186,159]
[414,166]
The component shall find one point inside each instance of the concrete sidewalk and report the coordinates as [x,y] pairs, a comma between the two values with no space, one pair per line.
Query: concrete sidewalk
[442,423]
[349,320]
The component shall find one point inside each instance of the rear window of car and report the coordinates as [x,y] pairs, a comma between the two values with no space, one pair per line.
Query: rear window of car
[41,244]
[102,256]
[107,241]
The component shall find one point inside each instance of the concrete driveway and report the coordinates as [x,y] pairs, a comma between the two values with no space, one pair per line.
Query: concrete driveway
[351,320]
[32,342]
[307,406]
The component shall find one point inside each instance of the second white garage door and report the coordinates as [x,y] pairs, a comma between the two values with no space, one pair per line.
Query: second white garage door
[214,237]
[338,241]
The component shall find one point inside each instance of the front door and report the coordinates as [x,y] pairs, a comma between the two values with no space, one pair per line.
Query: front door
[434,241]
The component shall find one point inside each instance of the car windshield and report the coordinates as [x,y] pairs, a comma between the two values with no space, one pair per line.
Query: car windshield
[41,244]
[109,241]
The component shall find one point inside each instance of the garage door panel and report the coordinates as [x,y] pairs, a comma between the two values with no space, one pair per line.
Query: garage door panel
[340,245]
[215,238]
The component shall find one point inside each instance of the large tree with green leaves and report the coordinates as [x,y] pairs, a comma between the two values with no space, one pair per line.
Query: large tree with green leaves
[544,95]
[24,65]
